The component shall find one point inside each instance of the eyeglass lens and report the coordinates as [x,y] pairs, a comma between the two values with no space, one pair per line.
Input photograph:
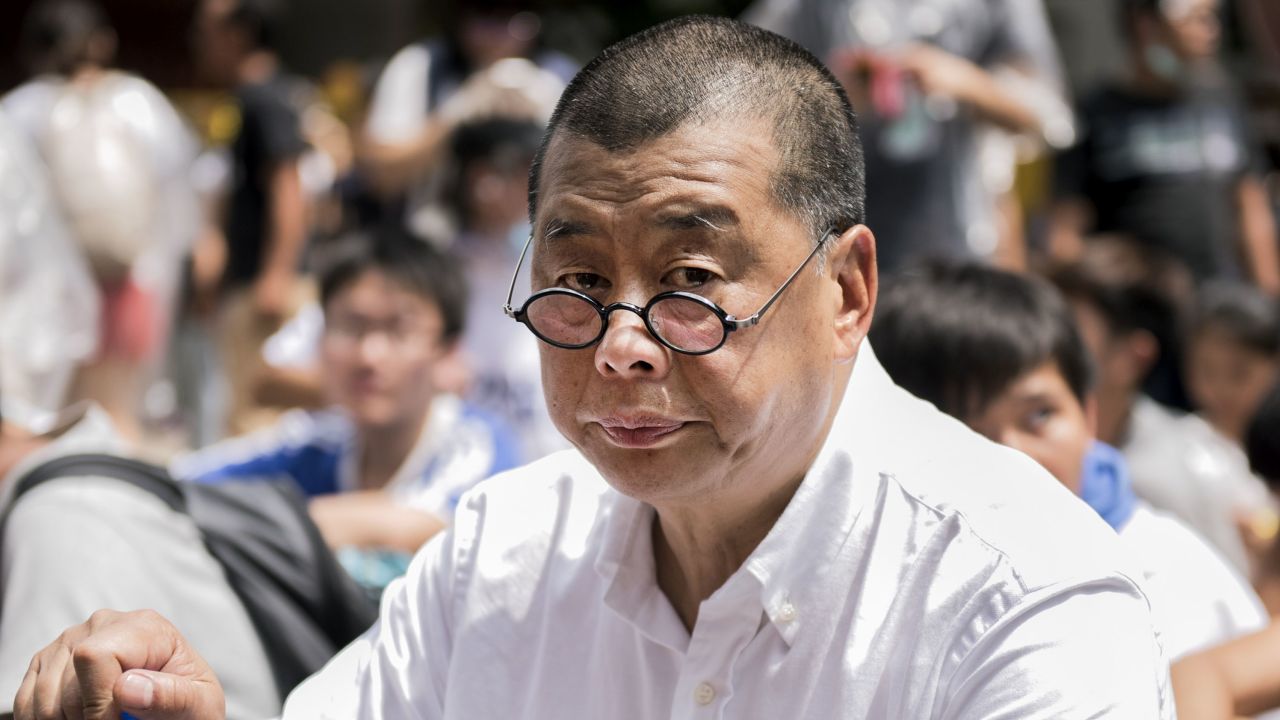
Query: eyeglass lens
[572,321]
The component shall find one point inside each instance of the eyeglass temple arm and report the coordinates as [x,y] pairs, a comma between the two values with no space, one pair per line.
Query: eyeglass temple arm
[754,318]
[511,291]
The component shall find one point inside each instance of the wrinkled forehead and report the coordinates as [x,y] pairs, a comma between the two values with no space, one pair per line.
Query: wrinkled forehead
[727,168]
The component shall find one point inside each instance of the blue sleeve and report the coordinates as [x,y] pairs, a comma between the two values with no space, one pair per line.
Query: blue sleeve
[312,466]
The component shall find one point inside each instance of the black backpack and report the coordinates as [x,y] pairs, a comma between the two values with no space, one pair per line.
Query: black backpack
[303,605]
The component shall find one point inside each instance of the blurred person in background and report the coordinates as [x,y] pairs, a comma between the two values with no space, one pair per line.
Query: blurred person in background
[490,160]
[1129,303]
[926,77]
[1232,356]
[384,466]
[1242,678]
[1001,352]
[1165,155]
[49,307]
[119,157]
[264,221]
[429,88]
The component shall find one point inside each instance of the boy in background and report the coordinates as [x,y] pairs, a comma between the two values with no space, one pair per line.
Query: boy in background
[1001,353]
[385,467]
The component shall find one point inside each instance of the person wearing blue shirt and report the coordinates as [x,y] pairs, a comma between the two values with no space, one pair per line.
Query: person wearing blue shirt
[385,466]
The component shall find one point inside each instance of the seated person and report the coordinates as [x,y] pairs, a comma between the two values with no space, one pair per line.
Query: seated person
[82,543]
[754,521]
[1242,678]
[1128,304]
[386,466]
[1001,352]
[1233,357]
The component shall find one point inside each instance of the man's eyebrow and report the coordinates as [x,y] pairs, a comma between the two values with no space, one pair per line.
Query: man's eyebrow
[559,228]
[716,218]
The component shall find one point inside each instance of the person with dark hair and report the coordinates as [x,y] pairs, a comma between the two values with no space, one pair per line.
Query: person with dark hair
[749,523]
[1129,302]
[490,161]
[385,467]
[1166,156]
[119,157]
[263,219]
[488,62]
[1233,355]
[1001,353]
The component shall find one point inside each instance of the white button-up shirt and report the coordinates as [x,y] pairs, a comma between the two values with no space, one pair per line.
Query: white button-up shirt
[918,572]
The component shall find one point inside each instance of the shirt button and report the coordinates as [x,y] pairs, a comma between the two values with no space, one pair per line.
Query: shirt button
[787,612]
[704,694]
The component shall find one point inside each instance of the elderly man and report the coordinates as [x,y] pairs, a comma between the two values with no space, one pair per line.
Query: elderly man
[756,521]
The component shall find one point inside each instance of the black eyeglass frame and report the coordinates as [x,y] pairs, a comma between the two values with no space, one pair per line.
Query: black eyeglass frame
[728,322]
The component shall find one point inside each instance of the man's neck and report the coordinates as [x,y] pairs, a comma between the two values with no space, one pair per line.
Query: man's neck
[384,450]
[699,543]
[696,549]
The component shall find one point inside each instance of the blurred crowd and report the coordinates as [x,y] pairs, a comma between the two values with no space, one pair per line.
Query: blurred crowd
[304,277]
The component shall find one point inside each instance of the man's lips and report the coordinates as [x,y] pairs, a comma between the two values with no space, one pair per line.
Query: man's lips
[638,431]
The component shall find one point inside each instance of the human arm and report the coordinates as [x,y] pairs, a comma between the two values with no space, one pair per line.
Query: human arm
[373,519]
[942,73]
[286,236]
[1238,678]
[1089,652]
[1258,235]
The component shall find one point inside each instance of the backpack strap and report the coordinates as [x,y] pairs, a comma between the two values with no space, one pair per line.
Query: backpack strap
[154,480]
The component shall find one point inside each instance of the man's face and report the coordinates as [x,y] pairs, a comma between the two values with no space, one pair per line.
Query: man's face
[689,211]
[1039,415]
[1228,381]
[380,345]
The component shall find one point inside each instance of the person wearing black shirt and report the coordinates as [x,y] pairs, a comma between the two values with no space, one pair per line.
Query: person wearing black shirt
[1166,157]
[264,224]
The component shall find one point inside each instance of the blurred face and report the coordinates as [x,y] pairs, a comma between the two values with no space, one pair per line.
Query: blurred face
[380,346]
[1227,381]
[1195,28]
[691,211]
[218,45]
[1038,415]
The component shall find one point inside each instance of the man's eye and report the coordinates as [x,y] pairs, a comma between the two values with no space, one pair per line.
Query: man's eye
[583,282]
[690,277]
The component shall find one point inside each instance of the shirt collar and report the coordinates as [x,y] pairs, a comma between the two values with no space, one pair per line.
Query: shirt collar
[813,532]
[442,415]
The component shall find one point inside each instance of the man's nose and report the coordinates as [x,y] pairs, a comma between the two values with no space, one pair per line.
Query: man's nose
[629,351]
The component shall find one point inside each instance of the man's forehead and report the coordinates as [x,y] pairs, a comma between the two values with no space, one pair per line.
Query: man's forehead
[701,170]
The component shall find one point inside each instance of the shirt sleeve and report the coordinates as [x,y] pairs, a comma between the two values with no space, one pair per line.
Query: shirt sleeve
[269,118]
[399,667]
[1098,644]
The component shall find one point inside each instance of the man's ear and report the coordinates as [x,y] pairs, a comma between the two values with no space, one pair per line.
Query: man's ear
[1091,412]
[852,264]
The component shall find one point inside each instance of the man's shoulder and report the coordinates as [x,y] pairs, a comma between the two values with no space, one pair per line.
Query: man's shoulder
[1002,498]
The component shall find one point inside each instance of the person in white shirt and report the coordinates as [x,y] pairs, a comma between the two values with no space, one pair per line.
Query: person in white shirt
[755,521]
[1001,352]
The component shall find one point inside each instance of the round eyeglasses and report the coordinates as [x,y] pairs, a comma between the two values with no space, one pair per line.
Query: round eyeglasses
[682,321]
